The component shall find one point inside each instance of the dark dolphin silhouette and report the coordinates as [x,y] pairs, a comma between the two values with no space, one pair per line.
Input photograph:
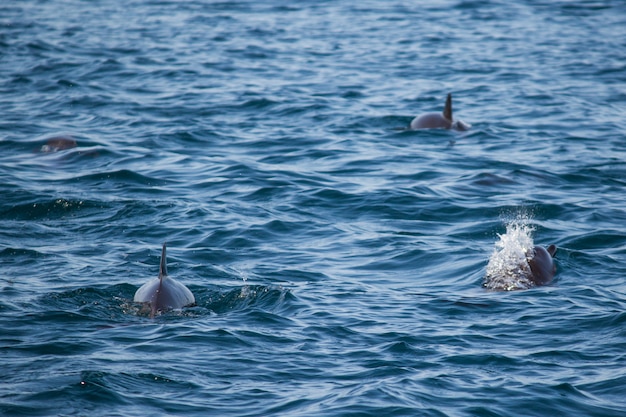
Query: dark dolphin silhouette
[164,293]
[442,120]
[58,143]
[542,264]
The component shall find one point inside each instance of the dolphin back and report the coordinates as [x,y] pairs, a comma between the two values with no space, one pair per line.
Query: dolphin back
[172,294]
[164,293]
[443,120]
[542,264]
[430,121]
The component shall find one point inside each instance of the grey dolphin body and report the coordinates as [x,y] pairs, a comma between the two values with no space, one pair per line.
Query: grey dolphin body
[163,292]
[542,264]
[442,120]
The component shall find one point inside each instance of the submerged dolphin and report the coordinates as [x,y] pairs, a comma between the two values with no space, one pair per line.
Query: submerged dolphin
[164,293]
[439,120]
[58,143]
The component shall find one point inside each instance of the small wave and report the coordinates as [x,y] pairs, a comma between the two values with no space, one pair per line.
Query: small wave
[122,176]
[250,296]
[264,303]
[46,209]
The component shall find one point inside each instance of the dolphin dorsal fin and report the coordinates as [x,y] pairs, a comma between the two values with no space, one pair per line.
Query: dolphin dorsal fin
[447,111]
[163,267]
[162,276]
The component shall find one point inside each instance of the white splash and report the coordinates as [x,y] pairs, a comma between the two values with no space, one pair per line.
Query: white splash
[508,267]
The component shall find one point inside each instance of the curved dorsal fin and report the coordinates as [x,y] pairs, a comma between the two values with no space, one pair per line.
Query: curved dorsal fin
[162,274]
[447,111]
[163,267]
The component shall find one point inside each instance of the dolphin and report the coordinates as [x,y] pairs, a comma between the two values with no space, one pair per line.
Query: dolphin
[58,143]
[439,120]
[164,293]
[542,265]
[534,268]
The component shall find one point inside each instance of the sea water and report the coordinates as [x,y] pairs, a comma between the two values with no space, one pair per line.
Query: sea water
[336,258]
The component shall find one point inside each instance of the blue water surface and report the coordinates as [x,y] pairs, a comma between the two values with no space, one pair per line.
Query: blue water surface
[336,257]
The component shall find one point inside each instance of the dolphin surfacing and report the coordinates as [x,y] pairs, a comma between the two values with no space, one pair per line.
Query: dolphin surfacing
[535,268]
[542,265]
[164,293]
[443,120]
